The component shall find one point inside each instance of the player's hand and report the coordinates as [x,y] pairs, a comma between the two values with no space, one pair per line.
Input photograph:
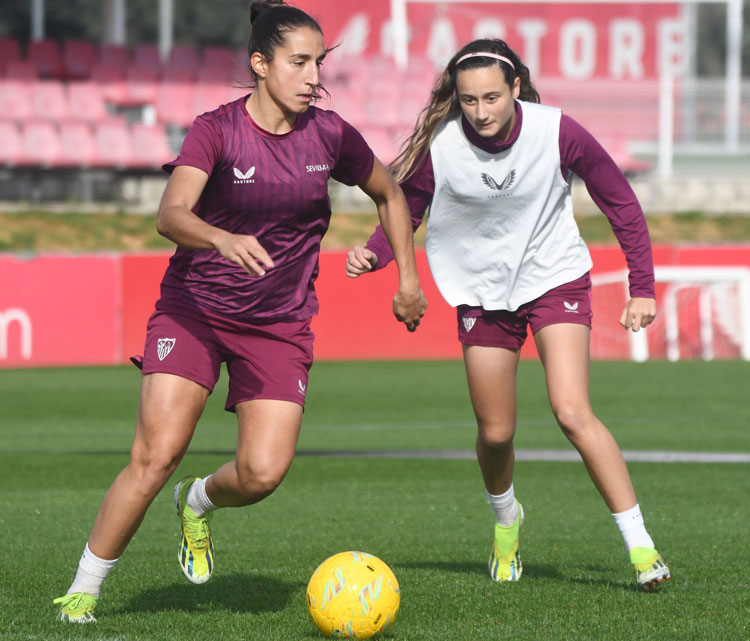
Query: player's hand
[409,307]
[245,251]
[638,313]
[360,261]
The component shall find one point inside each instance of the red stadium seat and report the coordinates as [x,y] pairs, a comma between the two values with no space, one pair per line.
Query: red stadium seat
[349,105]
[146,55]
[382,142]
[45,56]
[114,56]
[111,80]
[15,99]
[221,64]
[150,147]
[221,57]
[214,75]
[382,107]
[184,57]
[79,148]
[237,92]
[113,143]
[86,101]
[178,74]
[174,103]
[41,143]
[208,96]
[141,83]
[9,52]
[20,70]
[79,58]
[50,101]
[11,151]
[409,108]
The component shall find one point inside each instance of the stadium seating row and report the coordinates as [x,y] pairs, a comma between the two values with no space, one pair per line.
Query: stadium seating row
[112,143]
[179,102]
[75,89]
[174,102]
[77,59]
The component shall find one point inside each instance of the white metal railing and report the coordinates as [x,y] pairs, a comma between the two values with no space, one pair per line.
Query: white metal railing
[663,119]
[677,279]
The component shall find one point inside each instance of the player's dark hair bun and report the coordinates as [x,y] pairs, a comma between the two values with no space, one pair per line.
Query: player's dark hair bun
[259,7]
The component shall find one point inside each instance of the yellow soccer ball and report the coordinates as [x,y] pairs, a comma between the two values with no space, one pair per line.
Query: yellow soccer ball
[353,595]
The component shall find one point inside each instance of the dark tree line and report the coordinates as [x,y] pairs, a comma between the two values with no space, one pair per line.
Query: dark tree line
[197,22]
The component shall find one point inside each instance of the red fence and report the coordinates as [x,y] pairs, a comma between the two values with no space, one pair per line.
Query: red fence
[92,309]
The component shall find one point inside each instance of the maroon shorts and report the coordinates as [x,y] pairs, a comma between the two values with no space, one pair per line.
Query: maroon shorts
[568,303]
[264,361]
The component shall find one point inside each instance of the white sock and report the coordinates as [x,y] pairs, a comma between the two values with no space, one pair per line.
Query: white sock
[633,530]
[197,498]
[91,573]
[504,506]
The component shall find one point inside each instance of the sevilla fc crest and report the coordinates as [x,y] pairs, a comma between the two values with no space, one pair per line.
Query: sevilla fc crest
[164,346]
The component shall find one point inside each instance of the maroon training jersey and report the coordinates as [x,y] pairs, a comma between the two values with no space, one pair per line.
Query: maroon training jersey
[273,187]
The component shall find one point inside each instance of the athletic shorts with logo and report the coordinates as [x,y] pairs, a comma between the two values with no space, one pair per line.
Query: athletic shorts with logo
[568,303]
[264,361]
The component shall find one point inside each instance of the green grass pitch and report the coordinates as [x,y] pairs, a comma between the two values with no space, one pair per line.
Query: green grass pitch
[65,433]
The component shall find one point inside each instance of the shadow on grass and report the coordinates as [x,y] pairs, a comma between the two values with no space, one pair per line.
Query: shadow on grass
[236,593]
[595,575]
[480,569]
[457,567]
[590,575]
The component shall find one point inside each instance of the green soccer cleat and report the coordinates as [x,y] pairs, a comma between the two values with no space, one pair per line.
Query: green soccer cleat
[77,608]
[196,551]
[650,569]
[505,558]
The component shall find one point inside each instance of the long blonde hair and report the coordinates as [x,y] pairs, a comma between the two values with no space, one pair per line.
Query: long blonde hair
[444,102]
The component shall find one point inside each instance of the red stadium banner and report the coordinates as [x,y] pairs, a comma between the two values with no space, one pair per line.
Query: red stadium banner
[59,310]
[93,309]
[572,41]
[356,319]
[141,275]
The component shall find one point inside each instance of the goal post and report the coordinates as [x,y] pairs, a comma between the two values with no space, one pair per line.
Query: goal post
[704,313]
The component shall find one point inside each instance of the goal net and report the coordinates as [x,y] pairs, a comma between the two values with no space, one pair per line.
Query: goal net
[703,313]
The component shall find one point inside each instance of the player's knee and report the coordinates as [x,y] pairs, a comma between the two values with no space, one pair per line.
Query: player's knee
[257,483]
[572,418]
[496,437]
[153,470]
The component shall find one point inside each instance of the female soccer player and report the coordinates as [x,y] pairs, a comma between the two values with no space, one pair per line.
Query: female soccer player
[247,205]
[494,168]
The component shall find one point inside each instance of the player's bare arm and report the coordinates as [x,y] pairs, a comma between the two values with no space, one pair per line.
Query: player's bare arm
[409,303]
[177,222]
[638,313]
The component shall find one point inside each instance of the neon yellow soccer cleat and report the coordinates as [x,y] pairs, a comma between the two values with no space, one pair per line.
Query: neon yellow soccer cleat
[505,557]
[650,569]
[77,608]
[196,551]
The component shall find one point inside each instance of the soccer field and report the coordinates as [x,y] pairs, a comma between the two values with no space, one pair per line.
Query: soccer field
[65,433]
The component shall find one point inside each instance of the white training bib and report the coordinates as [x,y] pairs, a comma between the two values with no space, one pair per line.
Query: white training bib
[501,230]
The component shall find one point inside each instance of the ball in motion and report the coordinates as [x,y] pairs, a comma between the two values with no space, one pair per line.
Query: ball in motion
[353,595]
